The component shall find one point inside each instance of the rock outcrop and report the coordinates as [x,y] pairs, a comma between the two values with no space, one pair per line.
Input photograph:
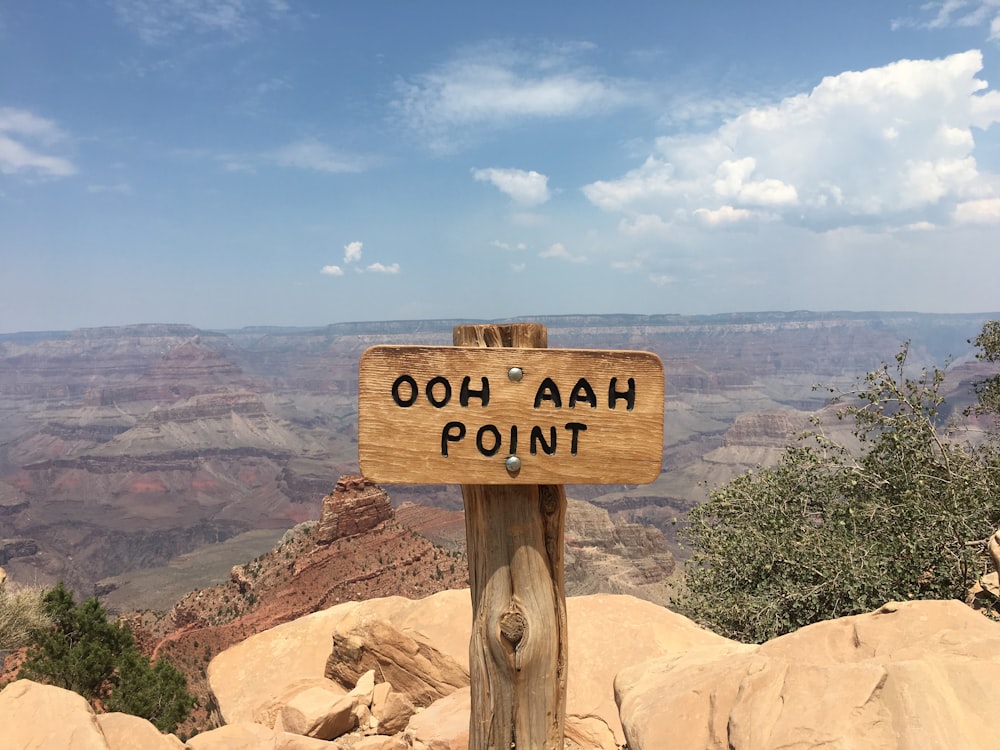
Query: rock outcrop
[909,675]
[356,505]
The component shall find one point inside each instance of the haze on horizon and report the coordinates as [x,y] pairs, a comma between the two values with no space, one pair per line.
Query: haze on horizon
[229,163]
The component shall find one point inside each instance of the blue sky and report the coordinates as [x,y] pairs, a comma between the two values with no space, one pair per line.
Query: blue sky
[276,162]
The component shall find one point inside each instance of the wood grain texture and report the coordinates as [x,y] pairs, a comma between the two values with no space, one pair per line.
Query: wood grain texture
[451,415]
[518,648]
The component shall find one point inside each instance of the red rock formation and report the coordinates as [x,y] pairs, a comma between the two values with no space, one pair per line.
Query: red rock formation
[355,506]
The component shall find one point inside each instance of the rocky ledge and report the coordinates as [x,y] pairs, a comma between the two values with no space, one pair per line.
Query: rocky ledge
[908,675]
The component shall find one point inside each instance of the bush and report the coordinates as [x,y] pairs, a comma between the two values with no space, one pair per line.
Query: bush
[830,532]
[84,652]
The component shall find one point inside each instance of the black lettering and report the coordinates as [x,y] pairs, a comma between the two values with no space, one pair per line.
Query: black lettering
[537,437]
[400,401]
[429,390]
[548,391]
[582,392]
[513,439]
[576,428]
[488,428]
[452,433]
[467,393]
[615,395]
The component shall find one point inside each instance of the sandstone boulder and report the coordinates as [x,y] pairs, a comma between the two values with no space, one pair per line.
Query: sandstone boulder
[267,713]
[33,716]
[127,732]
[251,674]
[318,712]
[418,669]
[249,736]
[911,675]
[442,726]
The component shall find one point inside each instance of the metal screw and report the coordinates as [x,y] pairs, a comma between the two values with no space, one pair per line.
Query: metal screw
[513,464]
[515,374]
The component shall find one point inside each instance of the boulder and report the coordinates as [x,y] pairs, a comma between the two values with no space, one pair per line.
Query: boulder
[250,736]
[267,712]
[444,725]
[33,715]
[417,669]
[127,732]
[251,674]
[318,712]
[608,633]
[391,710]
[910,675]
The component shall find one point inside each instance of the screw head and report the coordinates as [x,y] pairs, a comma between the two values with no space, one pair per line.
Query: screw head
[513,464]
[515,374]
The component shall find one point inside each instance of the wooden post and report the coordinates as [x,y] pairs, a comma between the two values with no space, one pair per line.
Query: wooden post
[518,649]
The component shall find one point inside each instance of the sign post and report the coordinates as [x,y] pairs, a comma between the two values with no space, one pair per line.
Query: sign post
[511,421]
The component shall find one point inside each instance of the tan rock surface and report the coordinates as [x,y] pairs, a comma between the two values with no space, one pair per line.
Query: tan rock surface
[913,675]
[127,732]
[318,712]
[253,672]
[34,716]
[249,736]
[442,726]
[417,669]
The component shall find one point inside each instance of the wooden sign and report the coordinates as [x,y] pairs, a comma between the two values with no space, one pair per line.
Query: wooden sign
[458,415]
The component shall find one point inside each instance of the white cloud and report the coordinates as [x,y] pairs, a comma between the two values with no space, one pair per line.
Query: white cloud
[310,153]
[956,13]
[559,251]
[518,267]
[887,145]
[352,252]
[722,215]
[352,256]
[524,188]
[156,21]
[661,279]
[21,136]
[984,211]
[381,268]
[496,84]
[508,246]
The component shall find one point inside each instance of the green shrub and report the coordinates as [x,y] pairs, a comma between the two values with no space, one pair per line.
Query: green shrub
[84,652]
[830,532]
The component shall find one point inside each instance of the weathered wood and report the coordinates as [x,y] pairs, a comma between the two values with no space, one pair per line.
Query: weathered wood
[431,414]
[518,648]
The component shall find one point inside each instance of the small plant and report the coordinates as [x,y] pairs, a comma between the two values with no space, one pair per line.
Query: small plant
[22,611]
[84,652]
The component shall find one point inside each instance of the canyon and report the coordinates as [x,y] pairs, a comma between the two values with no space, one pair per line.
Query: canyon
[124,449]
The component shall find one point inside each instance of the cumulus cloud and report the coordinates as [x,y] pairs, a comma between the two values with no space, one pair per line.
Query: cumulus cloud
[352,255]
[495,85]
[23,138]
[382,268]
[559,251]
[352,252]
[524,188]
[984,211]
[886,145]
